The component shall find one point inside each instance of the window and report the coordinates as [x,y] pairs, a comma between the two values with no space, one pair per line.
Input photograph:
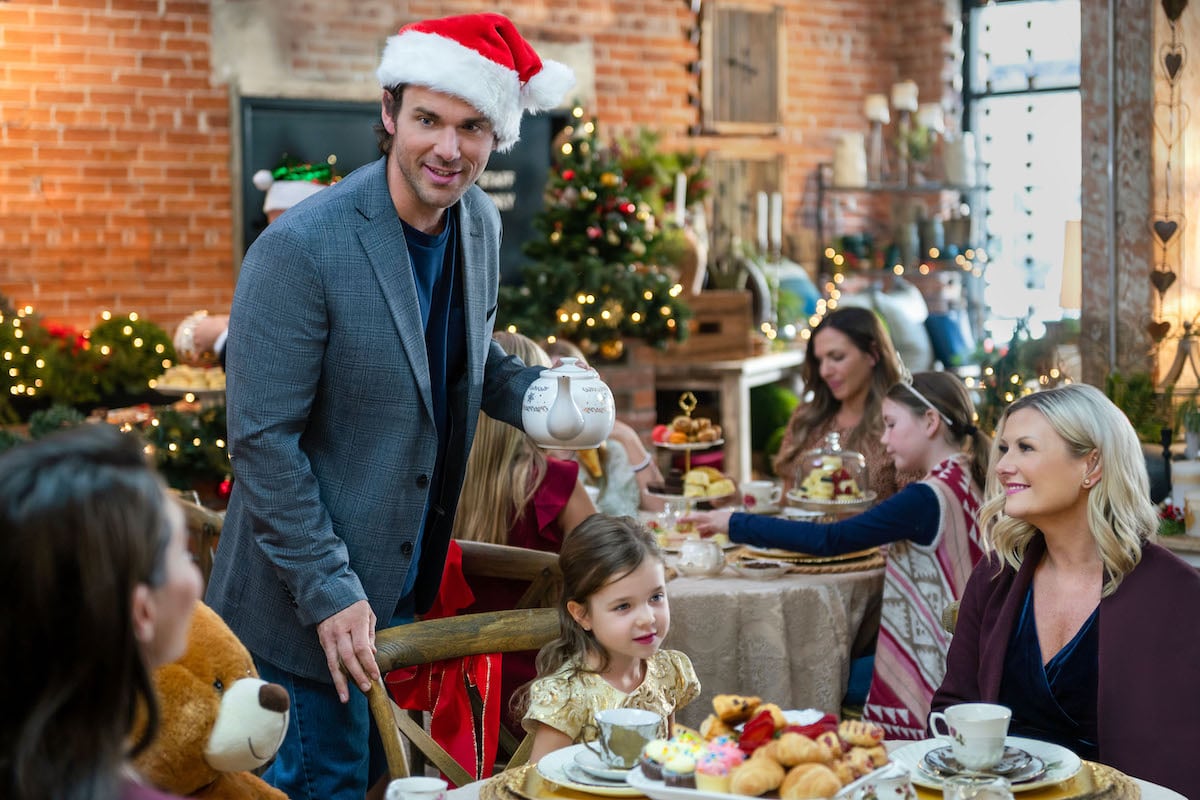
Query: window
[742,53]
[1024,106]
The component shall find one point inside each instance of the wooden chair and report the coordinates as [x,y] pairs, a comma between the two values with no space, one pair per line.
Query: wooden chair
[540,568]
[434,640]
[204,530]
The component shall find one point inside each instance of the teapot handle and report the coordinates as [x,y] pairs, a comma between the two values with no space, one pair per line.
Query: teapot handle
[565,421]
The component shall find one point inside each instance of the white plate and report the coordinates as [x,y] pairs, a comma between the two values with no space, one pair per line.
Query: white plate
[590,763]
[852,506]
[553,767]
[690,445]
[767,571]
[1061,763]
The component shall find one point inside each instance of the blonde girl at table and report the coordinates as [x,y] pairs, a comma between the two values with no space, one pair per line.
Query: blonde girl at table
[613,618]
[1077,620]
[848,367]
[932,536]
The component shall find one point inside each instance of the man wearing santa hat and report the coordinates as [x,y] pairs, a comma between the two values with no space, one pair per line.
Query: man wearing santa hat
[359,355]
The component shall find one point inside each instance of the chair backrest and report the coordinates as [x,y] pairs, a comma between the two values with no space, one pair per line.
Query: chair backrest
[538,567]
[432,640]
[204,530]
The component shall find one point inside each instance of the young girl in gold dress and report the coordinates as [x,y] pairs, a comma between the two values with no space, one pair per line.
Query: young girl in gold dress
[614,616]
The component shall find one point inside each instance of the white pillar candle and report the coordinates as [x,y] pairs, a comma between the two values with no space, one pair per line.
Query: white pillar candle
[776,222]
[876,108]
[762,222]
[680,198]
[904,96]
[931,117]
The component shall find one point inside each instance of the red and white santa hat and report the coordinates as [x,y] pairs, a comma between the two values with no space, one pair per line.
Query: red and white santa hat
[480,58]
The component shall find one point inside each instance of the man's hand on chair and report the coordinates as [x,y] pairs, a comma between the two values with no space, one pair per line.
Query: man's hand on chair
[348,639]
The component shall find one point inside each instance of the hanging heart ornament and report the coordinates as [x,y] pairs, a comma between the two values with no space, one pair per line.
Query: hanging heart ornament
[1165,228]
[1158,330]
[1162,280]
[1172,57]
[1174,8]
[1169,121]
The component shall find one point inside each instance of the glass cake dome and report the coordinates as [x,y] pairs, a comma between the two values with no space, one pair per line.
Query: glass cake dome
[829,474]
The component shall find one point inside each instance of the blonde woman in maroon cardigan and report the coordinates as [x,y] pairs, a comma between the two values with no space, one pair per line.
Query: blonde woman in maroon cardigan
[1077,620]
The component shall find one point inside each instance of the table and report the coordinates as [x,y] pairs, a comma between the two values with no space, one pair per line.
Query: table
[732,380]
[1150,791]
[787,640]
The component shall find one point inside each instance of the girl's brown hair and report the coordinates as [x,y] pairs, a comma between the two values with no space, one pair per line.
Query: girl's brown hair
[953,404]
[600,550]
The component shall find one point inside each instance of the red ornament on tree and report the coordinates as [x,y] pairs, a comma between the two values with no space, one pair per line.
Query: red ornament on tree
[568,174]
[225,488]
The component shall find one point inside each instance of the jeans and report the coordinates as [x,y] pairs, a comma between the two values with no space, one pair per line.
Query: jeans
[332,751]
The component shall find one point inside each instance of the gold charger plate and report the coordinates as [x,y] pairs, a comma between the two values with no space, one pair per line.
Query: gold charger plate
[1093,782]
[526,783]
[804,558]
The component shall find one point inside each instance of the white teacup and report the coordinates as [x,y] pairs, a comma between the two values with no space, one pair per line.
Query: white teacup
[760,494]
[416,788]
[620,734]
[975,732]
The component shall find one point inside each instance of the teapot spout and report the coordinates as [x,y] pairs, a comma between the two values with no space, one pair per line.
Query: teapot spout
[566,420]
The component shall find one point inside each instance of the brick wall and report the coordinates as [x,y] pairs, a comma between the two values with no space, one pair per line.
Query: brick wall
[115,141]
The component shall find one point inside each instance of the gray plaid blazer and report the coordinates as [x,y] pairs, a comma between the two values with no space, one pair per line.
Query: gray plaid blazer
[331,429]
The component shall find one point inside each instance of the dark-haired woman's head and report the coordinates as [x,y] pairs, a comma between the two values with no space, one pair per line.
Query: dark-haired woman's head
[94,554]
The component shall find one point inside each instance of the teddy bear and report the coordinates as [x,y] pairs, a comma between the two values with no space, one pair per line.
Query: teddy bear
[217,719]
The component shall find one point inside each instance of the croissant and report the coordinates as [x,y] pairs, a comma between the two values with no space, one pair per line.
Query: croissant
[845,773]
[809,781]
[796,748]
[857,732]
[756,776]
[833,742]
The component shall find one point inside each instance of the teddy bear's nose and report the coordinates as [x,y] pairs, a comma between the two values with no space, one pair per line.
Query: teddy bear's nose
[273,697]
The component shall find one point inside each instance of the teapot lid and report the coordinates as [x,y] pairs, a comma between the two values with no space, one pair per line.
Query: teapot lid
[571,367]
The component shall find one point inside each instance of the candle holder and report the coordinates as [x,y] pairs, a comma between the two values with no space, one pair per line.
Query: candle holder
[903,130]
[877,166]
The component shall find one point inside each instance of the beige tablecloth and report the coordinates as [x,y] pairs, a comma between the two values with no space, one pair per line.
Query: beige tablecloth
[787,640]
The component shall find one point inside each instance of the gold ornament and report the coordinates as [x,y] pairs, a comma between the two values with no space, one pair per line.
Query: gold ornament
[612,349]
[609,179]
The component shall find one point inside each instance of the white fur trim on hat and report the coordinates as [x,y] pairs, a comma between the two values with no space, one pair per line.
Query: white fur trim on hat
[282,195]
[443,64]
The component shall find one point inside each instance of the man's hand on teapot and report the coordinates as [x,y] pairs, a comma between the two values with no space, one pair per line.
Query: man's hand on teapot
[707,523]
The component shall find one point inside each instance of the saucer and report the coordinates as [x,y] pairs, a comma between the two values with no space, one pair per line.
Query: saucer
[590,763]
[1015,764]
[1059,763]
[770,508]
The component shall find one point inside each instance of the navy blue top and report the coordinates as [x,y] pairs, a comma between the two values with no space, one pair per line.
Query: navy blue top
[1055,703]
[912,513]
[439,294]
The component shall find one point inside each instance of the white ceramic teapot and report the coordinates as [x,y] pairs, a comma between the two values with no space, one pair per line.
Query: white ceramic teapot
[568,408]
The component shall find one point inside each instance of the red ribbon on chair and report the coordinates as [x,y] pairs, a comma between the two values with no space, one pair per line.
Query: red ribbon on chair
[441,688]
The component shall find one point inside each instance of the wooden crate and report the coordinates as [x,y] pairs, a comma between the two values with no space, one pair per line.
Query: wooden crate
[721,328]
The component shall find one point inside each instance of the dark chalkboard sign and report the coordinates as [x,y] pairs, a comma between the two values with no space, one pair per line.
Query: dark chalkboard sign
[311,130]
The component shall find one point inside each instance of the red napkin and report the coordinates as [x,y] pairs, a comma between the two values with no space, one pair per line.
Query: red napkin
[441,687]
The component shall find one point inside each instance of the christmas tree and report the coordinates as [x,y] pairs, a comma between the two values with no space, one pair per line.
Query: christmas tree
[596,274]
